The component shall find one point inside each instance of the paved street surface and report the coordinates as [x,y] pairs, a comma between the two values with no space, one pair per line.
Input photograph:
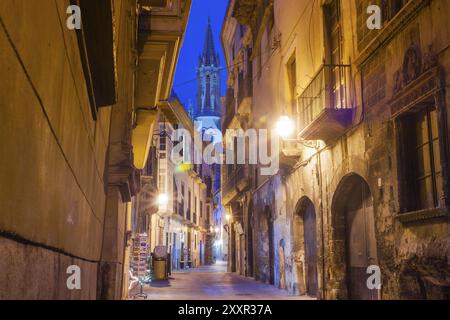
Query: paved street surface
[213,283]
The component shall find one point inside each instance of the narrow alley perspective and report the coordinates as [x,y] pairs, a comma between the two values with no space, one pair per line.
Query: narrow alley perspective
[211,282]
[200,150]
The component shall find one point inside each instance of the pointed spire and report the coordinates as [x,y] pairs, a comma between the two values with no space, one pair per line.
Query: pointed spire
[208,75]
[209,53]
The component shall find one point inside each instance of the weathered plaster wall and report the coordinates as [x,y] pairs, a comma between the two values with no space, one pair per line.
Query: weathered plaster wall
[56,198]
[413,256]
[32,272]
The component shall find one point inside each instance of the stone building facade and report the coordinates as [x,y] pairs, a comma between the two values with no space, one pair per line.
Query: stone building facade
[183,224]
[363,181]
[78,109]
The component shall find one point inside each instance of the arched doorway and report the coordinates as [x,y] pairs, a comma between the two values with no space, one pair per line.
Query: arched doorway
[202,257]
[239,248]
[354,232]
[270,234]
[249,271]
[305,243]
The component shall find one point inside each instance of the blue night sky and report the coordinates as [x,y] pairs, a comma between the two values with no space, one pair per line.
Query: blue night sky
[193,46]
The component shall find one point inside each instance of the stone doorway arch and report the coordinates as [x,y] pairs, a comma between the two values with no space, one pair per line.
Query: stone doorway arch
[353,243]
[305,247]
[250,251]
[268,221]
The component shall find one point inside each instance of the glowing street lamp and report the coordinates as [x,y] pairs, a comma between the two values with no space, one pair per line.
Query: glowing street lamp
[163,199]
[228,217]
[284,127]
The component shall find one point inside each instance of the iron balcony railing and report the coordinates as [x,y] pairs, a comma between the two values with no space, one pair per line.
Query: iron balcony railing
[329,89]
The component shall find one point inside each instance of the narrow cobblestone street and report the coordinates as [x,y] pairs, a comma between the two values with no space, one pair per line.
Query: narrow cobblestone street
[213,283]
[225,150]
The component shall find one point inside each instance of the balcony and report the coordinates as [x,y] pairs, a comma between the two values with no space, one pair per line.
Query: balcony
[253,13]
[235,184]
[325,110]
[160,33]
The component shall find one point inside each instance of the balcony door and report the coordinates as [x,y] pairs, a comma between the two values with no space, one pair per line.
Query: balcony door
[361,242]
[310,238]
[334,46]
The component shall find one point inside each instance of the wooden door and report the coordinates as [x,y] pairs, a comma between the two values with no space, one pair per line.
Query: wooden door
[361,242]
[310,238]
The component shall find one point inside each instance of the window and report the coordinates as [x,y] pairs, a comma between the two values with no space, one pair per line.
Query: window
[175,196]
[176,143]
[150,165]
[389,9]
[188,211]
[235,146]
[229,170]
[208,185]
[201,209]
[392,7]
[422,180]
[259,61]
[195,204]
[333,29]
[162,183]
[334,53]
[96,44]
[160,236]
[162,143]
[292,78]
[189,200]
